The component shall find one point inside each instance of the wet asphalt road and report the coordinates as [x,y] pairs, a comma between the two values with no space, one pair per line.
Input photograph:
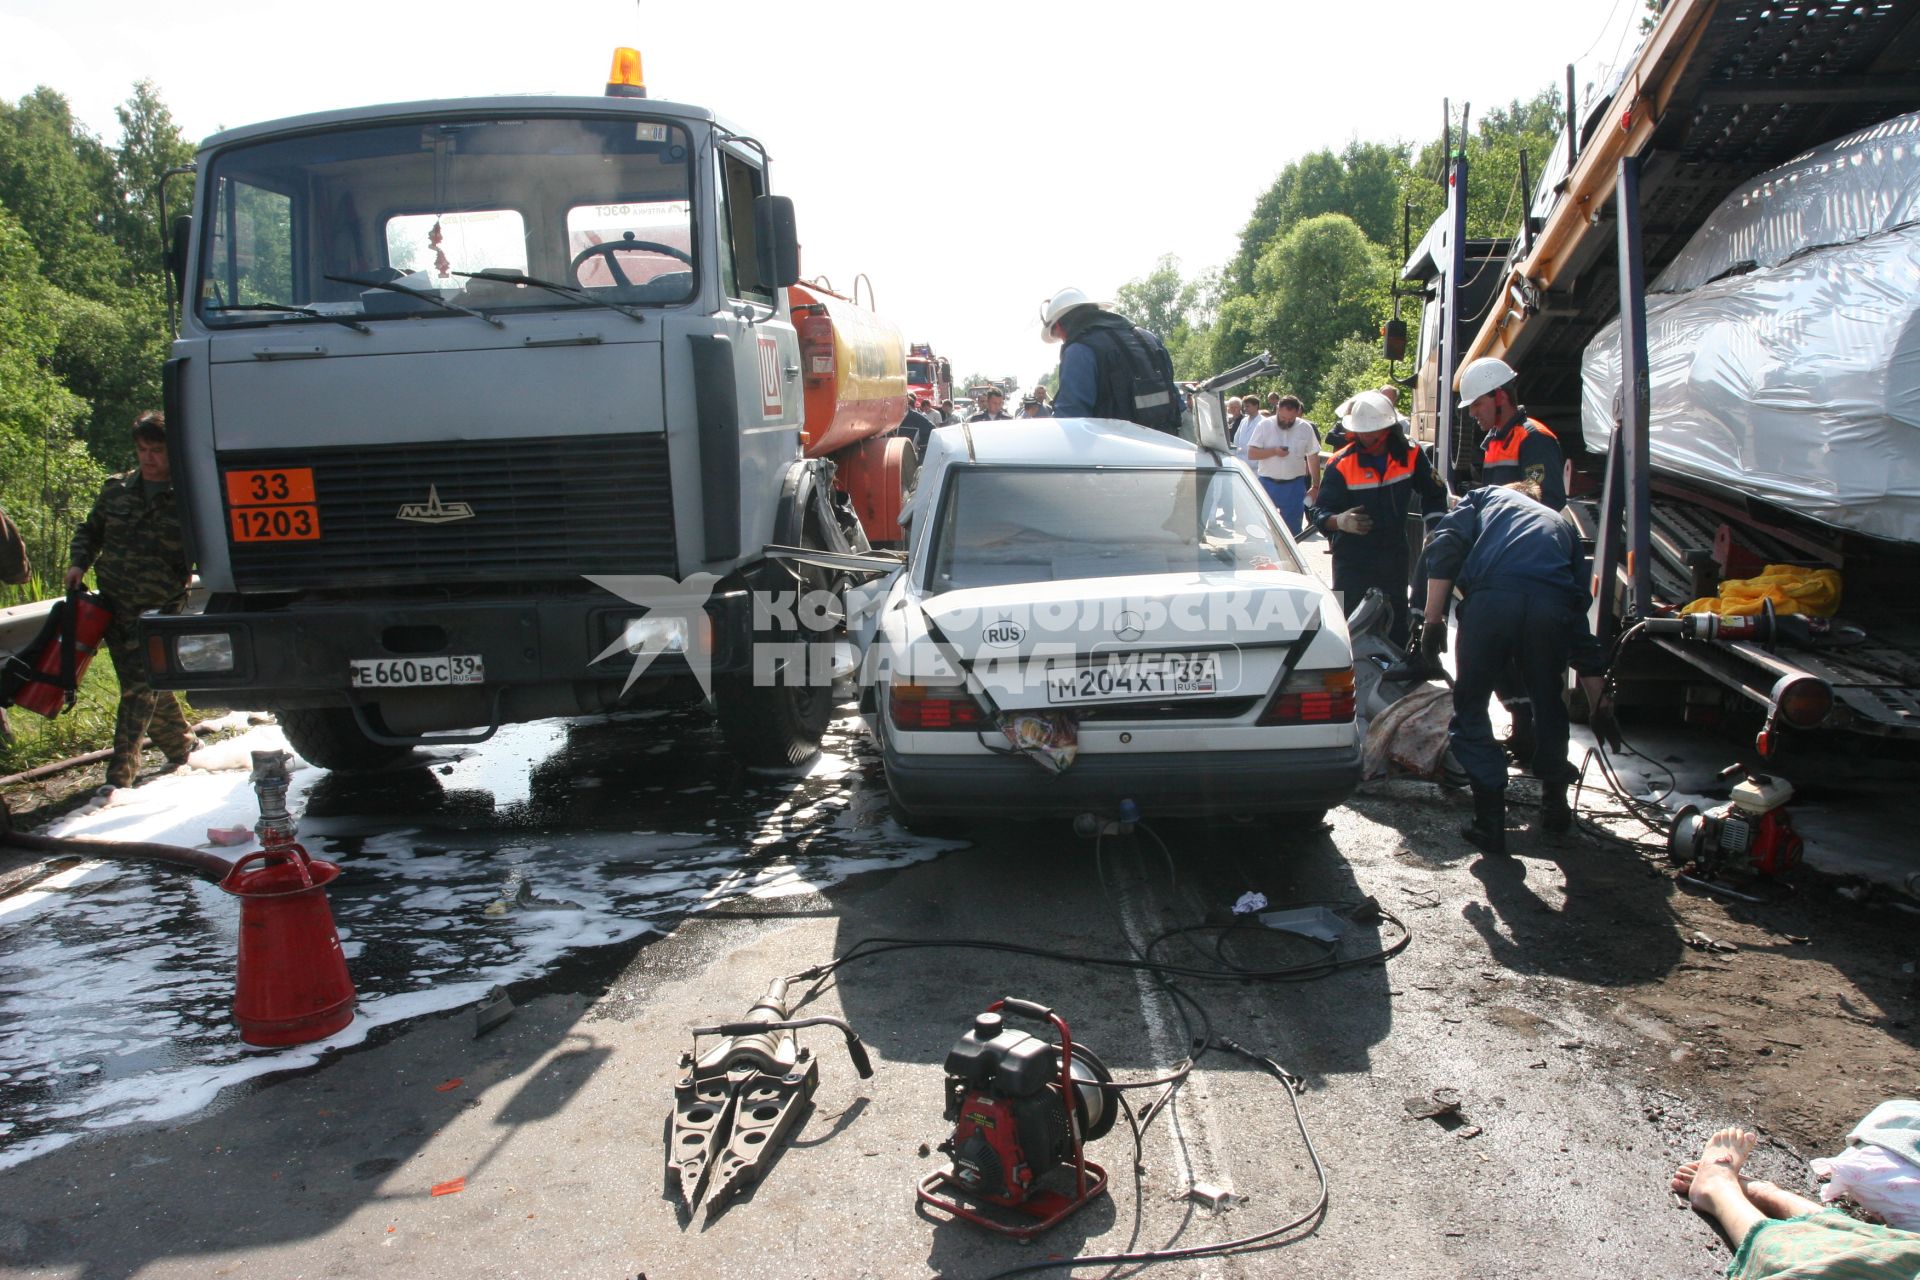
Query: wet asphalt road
[669,887]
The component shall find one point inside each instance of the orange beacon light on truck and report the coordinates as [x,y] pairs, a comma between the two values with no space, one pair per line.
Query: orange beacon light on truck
[625,79]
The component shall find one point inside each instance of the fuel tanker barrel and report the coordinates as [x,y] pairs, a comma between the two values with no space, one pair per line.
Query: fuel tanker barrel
[855,370]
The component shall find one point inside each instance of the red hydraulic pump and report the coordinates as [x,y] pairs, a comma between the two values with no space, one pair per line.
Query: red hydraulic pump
[43,676]
[1023,1109]
[854,370]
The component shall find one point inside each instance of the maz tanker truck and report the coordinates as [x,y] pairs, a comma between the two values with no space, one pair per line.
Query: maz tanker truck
[463,389]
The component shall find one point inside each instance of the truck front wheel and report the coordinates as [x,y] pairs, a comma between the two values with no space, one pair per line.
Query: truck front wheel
[332,739]
[775,725]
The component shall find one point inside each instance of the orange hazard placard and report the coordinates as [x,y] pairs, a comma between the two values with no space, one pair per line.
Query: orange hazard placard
[276,524]
[278,487]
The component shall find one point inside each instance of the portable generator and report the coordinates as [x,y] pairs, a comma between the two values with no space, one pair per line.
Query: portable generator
[1754,834]
[1022,1108]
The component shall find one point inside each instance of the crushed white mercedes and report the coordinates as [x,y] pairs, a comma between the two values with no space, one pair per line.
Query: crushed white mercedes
[1093,613]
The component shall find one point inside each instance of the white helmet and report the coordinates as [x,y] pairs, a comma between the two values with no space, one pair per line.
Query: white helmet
[1368,411]
[1488,373]
[1058,305]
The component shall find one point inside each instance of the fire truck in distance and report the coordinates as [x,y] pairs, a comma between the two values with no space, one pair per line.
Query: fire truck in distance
[929,377]
[461,389]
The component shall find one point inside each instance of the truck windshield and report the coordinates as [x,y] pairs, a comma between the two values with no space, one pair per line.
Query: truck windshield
[1006,525]
[603,205]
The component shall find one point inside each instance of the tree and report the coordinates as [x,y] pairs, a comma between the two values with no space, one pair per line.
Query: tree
[58,180]
[1176,310]
[1321,282]
[150,144]
[1363,182]
[49,480]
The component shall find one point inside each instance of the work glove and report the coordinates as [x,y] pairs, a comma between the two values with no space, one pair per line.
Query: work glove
[1605,727]
[1423,657]
[1353,521]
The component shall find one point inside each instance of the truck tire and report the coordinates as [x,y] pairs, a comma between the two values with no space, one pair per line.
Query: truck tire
[330,737]
[779,725]
[773,726]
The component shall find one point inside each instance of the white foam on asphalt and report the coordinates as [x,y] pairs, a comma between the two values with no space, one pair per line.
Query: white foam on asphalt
[116,980]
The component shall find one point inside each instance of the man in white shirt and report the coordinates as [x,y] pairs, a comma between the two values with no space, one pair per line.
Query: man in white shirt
[1250,418]
[1284,452]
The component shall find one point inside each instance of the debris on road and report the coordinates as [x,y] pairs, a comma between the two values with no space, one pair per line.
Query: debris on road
[453,1186]
[492,1011]
[1440,1104]
[1216,1198]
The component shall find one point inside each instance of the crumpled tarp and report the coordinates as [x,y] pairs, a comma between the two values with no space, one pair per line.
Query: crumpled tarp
[1410,736]
[1783,343]
[1814,592]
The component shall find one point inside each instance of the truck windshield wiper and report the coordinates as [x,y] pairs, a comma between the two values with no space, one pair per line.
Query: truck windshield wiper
[348,321]
[433,298]
[564,290]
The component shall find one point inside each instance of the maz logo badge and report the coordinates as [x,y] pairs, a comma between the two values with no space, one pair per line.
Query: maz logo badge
[434,511]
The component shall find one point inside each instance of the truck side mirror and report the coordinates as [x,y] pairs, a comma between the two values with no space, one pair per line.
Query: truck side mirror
[777,243]
[177,250]
[1393,335]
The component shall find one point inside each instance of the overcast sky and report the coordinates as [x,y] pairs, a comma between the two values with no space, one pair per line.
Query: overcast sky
[970,159]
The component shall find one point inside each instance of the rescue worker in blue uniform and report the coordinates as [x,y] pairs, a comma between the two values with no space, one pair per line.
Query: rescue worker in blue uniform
[1518,565]
[1516,447]
[1109,366]
[1366,492]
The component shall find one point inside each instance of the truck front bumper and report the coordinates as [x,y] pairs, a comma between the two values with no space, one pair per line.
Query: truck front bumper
[304,654]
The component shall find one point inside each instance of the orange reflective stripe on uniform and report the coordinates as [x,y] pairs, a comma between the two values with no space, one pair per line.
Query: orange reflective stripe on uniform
[1504,451]
[1357,476]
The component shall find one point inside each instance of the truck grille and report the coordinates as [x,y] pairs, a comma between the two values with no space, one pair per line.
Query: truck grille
[543,509]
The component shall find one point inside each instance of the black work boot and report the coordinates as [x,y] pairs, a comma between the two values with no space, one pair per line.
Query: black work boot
[1489,830]
[1556,815]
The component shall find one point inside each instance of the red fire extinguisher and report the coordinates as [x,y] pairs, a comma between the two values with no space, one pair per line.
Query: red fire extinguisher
[43,676]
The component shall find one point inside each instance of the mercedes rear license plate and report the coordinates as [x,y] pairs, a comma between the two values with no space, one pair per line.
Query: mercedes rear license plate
[398,673]
[1133,675]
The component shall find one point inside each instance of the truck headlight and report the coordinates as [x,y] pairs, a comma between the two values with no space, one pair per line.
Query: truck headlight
[656,635]
[208,653]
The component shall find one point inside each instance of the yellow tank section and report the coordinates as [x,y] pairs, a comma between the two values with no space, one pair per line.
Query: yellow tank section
[865,391]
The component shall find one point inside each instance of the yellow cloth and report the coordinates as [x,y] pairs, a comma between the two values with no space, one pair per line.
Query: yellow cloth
[1814,592]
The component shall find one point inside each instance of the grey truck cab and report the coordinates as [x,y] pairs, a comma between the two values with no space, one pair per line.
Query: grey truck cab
[459,388]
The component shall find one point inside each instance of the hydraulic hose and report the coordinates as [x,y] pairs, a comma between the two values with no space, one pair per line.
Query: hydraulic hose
[208,864]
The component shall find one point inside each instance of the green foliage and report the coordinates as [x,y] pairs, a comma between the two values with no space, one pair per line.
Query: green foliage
[1355,364]
[1312,280]
[58,180]
[83,326]
[1319,283]
[1363,182]
[1495,202]
[150,144]
[1176,310]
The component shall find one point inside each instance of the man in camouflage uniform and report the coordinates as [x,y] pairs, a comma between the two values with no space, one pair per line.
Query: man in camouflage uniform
[132,541]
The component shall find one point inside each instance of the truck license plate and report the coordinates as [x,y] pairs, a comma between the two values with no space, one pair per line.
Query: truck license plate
[395,673]
[1134,675]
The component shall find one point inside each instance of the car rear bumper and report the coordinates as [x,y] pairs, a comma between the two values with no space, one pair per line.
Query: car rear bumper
[1183,784]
